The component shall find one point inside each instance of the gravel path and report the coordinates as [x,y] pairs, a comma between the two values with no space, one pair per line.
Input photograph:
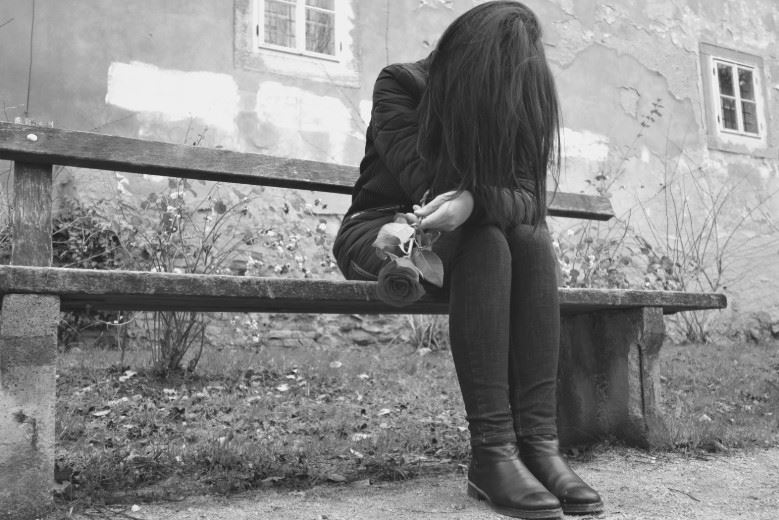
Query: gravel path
[635,486]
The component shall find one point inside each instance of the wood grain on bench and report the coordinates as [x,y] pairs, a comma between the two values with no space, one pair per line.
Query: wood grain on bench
[134,290]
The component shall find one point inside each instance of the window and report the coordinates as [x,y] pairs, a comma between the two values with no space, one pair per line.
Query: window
[302,26]
[306,39]
[734,100]
[737,101]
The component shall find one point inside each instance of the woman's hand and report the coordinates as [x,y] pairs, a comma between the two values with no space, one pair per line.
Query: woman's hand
[446,212]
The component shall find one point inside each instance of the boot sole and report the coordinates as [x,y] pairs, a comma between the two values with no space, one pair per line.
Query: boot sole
[535,514]
[582,509]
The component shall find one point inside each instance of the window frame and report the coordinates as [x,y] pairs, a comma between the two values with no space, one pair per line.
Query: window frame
[342,72]
[300,29]
[735,67]
[720,137]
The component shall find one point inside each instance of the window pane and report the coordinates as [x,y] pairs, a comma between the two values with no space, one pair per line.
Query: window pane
[322,4]
[320,33]
[746,85]
[280,23]
[729,119]
[725,74]
[749,110]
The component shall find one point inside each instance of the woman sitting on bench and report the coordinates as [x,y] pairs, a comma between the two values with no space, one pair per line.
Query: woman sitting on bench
[461,142]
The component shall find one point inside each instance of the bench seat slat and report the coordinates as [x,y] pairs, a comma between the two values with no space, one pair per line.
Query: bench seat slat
[105,152]
[132,290]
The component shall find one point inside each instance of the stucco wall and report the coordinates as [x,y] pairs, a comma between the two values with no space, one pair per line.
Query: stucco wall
[170,71]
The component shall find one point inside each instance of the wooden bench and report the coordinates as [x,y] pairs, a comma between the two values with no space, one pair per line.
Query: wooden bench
[610,338]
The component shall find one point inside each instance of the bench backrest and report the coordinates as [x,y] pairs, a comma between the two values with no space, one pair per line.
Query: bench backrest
[51,146]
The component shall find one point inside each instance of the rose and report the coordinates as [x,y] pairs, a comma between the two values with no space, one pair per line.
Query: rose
[398,283]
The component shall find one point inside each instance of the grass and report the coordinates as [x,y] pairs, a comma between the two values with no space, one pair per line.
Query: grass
[256,417]
[296,417]
[720,396]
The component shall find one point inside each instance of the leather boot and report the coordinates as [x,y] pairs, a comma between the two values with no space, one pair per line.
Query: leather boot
[541,455]
[497,476]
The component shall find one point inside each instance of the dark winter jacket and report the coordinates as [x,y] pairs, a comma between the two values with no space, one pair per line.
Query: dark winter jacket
[392,173]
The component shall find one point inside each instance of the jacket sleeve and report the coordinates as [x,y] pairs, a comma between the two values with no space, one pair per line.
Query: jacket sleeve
[504,207]
[395,128]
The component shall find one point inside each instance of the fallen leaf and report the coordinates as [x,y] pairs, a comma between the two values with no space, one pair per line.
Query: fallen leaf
[127,375]
[356,453]
[118,401]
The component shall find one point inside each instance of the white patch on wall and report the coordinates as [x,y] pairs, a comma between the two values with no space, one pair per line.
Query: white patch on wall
[296,109]
[175,95]
[366,107]
[585,145]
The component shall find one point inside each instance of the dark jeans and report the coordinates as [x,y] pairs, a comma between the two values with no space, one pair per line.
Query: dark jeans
[504,322]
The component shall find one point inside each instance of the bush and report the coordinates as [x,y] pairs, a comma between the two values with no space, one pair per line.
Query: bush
[83,238]
[177,232]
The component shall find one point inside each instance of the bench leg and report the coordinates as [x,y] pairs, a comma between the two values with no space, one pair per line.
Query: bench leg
[28,356]
[608,382]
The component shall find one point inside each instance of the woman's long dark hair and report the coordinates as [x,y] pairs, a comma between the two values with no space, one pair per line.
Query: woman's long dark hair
[489,117]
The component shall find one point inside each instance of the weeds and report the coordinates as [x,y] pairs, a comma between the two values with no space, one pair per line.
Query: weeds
[687,236]
[702,238]
[428,331]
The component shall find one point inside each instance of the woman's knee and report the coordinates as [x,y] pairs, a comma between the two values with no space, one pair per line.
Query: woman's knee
[532,248]
[524,236]
[488,243]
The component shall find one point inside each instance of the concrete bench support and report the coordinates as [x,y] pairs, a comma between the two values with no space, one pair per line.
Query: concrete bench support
[608,382]
[28,358]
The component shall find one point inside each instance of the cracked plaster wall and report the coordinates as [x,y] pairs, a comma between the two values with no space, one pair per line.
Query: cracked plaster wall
[612,60]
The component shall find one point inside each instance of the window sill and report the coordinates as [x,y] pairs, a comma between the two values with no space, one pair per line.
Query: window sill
[298,65]
[742,146]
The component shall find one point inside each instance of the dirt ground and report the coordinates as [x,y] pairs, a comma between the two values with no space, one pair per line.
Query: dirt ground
[635,486]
